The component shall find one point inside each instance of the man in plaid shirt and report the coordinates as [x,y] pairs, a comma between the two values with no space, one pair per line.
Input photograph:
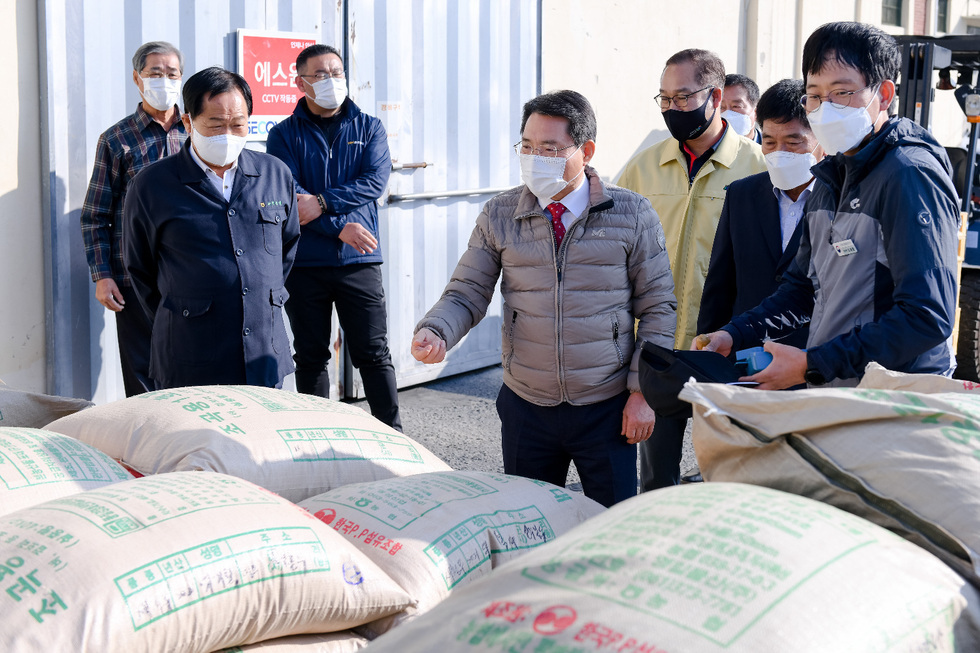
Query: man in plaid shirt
[153,132]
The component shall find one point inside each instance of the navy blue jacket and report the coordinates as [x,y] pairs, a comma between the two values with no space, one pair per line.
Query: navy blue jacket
[351,173]
[893,301]
[747,258]
[210,273]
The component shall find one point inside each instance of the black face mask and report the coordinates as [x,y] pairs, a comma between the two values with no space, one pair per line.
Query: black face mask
[688,125]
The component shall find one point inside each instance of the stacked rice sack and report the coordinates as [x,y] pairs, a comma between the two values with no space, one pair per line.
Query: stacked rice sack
[37,465]
[713,567]
[902,451]
[343,642]
[295,445]
[179,562]
[434,533]
[20,408]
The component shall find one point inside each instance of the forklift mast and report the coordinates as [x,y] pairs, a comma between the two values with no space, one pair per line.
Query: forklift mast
[959,54]
[921,56]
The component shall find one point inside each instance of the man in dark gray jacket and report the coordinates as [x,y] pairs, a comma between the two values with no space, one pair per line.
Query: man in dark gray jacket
[875,273]
[581,261]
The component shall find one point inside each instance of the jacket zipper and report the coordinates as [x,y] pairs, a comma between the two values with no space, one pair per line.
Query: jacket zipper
[559,261]
[510,339]
[619,350]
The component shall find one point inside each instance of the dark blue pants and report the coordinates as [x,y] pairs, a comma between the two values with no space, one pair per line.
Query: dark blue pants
[133,329]
[660,455]
[359,296]
[539,442]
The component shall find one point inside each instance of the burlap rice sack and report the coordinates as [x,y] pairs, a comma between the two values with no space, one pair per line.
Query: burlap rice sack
[36,466]
[708,568]
[34,410]
[184,562]
[908,461]
[293,444]
[434,533]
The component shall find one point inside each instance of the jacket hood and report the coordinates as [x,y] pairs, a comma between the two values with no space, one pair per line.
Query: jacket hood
[895,133]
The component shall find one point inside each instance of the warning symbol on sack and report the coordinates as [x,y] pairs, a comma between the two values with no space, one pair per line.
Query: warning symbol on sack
[554,620]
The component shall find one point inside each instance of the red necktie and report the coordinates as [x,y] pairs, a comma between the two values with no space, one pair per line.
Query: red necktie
[556,209]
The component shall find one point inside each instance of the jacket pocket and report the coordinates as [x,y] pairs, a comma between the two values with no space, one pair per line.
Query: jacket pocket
[193,329]
[271,218]
[277,299]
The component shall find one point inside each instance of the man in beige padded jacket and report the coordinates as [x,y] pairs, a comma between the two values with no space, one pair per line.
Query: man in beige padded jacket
[580,261]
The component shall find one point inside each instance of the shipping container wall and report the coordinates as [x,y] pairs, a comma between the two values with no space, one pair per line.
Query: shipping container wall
[447,77]
[449,80]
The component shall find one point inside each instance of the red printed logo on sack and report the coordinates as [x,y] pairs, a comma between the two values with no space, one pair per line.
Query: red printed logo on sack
[554,620]
[326,515]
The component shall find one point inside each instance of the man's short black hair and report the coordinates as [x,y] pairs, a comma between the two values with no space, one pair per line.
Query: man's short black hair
[861,46]
[213,81]
[781,103]
[746,82]
[570,105]
[315,50]
[709,69]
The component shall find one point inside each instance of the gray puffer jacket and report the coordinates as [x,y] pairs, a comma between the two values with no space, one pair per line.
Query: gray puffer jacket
[568,317]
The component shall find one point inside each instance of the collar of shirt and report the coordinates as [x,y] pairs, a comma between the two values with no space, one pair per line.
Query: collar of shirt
[694,165]
[222,184]
[790,212]
[576,203]
[143,120]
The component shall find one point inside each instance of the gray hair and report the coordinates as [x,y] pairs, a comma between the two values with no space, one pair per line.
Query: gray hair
[155,47]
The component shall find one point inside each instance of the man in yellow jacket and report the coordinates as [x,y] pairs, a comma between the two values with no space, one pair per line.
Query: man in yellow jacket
[685,178]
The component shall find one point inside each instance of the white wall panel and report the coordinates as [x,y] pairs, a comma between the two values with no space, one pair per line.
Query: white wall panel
[453,68]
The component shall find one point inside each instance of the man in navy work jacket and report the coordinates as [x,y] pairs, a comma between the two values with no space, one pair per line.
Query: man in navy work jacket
[339,158]
[876,269]
[209,238]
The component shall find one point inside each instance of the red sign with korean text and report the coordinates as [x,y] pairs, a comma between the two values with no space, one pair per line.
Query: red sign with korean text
[267,61]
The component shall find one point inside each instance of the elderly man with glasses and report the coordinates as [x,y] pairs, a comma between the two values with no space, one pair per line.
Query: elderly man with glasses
[685,178]
[875,274]
[339,158]
[579,262]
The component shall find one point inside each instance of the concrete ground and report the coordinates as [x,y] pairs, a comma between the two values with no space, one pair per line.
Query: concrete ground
[456,419]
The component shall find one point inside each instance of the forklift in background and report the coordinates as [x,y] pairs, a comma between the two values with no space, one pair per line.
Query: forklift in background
[922,57]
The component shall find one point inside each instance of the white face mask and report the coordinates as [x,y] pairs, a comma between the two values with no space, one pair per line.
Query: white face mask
[329,93]
[545,175]
[740,122]
[840,129]
[789,170]
[220,150]
[161,93]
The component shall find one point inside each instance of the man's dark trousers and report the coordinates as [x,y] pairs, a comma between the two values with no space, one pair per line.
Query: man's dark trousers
[660,456]
[358,294]
[133,330]
[539,442]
